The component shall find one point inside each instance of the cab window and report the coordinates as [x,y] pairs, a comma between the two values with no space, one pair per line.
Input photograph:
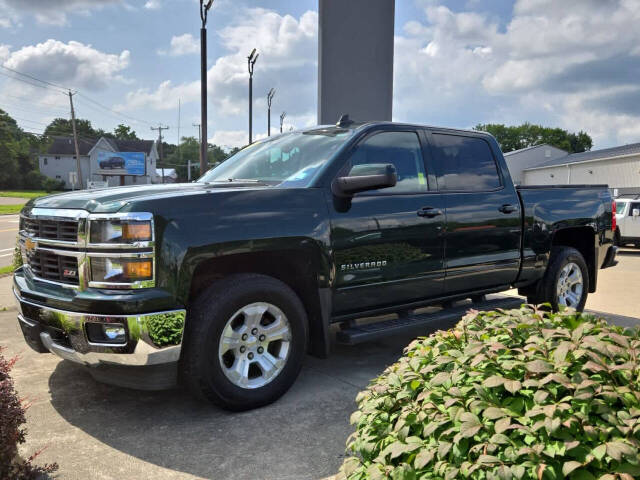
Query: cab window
[403,151]
[464,164]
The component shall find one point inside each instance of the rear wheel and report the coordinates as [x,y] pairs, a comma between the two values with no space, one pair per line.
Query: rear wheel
[566,281]
[245,342]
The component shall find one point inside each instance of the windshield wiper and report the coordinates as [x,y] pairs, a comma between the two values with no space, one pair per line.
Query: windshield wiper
[252,181]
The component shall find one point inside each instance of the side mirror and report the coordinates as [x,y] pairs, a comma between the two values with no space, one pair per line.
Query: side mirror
[363,178]
[636,212]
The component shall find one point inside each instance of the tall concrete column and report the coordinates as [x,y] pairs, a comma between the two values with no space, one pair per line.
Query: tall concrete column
[355,59]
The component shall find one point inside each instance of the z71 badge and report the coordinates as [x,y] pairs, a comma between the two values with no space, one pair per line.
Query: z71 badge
[363,265]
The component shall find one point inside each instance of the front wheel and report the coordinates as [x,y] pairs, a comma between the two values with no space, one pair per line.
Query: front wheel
[566,281]
[245,342]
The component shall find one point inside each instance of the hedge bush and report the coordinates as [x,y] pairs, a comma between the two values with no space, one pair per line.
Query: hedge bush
[519,394]
[12,433]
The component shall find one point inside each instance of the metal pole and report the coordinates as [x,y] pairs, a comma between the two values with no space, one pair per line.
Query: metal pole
[251,61]
[250,108]
[75,140]
[203,100]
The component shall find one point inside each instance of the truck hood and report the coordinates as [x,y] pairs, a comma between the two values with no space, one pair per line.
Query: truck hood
[110,200]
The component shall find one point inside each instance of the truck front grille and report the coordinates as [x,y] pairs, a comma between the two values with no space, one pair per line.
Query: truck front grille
[51,266]
[50,229]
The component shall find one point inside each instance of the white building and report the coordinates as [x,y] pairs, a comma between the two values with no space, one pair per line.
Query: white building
[618,167]
[60,160]
[519,160]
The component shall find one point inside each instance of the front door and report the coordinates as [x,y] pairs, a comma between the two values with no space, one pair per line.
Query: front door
[483,214]
[388,244]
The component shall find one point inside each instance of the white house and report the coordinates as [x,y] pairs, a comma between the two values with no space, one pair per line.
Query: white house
[60,160]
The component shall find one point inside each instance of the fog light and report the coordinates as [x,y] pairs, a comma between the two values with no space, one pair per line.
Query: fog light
[114,334]
[106,333]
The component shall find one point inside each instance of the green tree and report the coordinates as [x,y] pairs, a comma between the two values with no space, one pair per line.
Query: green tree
[189,150]
[63,127]
[124,132]
[528,135]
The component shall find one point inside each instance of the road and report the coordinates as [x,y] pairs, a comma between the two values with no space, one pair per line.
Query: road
[8,233]
[98,431]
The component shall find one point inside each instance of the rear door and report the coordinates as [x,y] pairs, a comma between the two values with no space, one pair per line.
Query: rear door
[388,244]
[632,223]
[482,240]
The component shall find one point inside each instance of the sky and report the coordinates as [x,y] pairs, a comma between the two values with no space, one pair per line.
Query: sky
[573,64]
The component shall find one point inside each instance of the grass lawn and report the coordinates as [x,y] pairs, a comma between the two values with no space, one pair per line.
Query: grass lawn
[7,269]
[10,209]
[25,193]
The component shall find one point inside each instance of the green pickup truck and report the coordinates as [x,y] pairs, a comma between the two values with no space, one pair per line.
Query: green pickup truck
[226,283]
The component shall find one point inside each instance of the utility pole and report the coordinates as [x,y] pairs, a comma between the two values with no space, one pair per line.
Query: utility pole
[251,61]
[199,143]
[283,115]
[75,139]
[205,5]
[270,96]
[159,128]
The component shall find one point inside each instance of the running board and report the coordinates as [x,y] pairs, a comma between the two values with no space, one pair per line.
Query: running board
[416,322]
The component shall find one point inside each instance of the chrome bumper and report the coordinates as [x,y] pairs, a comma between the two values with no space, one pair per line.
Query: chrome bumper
[152,338]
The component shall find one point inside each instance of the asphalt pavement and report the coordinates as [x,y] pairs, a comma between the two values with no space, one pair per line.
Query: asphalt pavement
[102,432]
[8,233]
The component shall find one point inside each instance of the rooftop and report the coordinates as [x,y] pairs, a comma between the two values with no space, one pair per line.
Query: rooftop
[605,153]
[66,146]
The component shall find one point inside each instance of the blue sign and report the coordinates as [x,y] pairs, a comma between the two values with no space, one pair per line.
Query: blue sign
[120,163]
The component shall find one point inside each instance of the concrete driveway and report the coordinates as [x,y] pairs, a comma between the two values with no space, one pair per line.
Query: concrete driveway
[102,432]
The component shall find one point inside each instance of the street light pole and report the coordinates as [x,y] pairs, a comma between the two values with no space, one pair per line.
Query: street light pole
[205,5]
[270,96]
[283,115]
[251,61]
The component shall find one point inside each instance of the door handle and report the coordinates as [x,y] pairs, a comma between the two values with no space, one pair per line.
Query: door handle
[430,212]
[507,208]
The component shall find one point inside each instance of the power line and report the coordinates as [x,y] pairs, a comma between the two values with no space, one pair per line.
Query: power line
[63,89]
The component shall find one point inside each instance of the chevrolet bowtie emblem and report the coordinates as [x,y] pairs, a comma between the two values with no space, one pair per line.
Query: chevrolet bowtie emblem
[30,245]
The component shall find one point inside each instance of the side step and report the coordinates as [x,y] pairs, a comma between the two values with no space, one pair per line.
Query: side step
[374,331]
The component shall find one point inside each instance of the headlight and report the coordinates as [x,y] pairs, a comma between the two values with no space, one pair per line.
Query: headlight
[120,231]
[121,270]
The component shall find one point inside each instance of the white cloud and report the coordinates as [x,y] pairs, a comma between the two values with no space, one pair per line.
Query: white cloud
[182,45]
[230,138]
[152,5]
[72,64]
[554,63]
[288,60]
[4,52]
[49,12]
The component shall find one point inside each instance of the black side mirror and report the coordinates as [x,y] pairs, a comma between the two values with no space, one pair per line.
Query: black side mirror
[363,178]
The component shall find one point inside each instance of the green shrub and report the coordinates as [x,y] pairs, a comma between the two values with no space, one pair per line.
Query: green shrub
[52,185]
[520,394]
[165,329]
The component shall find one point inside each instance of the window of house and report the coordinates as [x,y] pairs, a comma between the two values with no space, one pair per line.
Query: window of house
[464,164]
[58,177]
[44,161]
[57,157]
[403,150]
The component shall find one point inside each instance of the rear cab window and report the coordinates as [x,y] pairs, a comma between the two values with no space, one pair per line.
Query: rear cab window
[464,164]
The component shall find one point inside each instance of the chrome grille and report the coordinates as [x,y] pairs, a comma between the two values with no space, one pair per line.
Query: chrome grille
[51,266]
[66,231]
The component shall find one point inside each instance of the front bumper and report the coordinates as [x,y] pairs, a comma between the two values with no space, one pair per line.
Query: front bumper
[151,338]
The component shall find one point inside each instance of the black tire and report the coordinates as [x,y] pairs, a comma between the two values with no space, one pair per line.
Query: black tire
[546,291]
[201,366]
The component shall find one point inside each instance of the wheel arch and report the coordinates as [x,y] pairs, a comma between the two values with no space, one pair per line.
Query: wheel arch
[300,269]
[582,239]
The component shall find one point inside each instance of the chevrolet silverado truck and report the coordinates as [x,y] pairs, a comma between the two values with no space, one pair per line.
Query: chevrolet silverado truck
[225,284]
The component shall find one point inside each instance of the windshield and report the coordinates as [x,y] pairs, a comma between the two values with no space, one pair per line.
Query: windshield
[289,160]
